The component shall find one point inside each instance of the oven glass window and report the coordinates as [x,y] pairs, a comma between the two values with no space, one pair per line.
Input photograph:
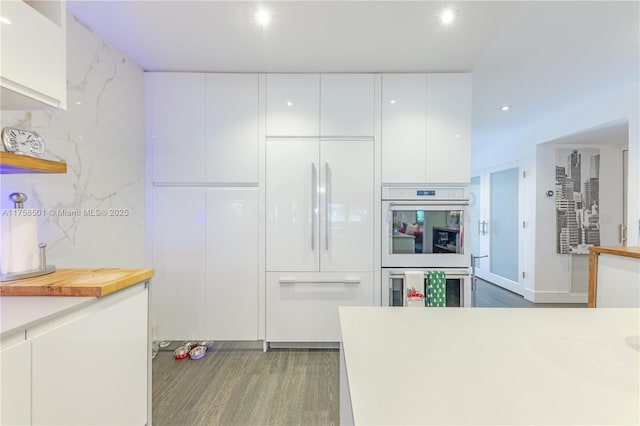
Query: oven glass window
[427,231]
[453,291]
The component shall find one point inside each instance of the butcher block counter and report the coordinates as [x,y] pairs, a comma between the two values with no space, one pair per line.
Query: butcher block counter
[614,277]
[76,282]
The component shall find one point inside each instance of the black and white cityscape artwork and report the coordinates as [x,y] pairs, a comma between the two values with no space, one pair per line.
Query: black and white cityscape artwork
[577,200]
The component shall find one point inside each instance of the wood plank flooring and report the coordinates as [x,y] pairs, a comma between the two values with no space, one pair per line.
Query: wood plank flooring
[237,384]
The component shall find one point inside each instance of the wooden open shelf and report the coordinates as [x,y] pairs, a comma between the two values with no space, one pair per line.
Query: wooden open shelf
[11,163]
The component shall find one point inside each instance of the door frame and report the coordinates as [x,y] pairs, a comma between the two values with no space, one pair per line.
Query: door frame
[485,215]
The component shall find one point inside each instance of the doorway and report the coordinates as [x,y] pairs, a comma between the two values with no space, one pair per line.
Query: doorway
[496,201]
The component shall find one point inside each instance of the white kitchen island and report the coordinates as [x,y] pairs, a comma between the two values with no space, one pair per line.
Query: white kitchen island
[413,366]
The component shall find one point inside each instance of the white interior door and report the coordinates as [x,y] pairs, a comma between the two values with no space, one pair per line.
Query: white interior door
[292,187]
[497,230]
[346,203]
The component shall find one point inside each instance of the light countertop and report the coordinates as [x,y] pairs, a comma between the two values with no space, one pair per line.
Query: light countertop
[492,366]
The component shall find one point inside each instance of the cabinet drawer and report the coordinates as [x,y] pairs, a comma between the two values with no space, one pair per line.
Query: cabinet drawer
[303,307]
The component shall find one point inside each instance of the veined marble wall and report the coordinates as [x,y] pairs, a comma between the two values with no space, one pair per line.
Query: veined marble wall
[101,137]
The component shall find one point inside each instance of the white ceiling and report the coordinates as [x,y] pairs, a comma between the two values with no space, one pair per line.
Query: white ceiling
[538,56]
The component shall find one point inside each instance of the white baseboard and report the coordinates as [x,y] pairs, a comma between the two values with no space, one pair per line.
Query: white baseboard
[554,296]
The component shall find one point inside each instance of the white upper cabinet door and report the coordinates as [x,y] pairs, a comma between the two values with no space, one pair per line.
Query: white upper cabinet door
[449,128]
[179,229]
[347,203]
[232,264]
[232,127]
[292,202]
[176,109]
[404,117]
[293,104]
[34,54]
[347,105]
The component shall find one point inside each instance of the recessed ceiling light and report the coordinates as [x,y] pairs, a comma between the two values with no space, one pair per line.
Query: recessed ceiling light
[5,20]
[392,101]
[263,17]
[78,103]
[506,107]
[289,103]
[457,136]
[447,16]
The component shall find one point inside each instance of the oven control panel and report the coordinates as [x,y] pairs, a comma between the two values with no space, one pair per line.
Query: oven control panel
[448,193]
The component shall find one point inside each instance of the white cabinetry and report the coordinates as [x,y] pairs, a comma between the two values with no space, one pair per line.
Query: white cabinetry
[232,264]
[293,104]
[232,127]
[93,370]
[179,258]
[205,252]
[15,382]
[404,127]
[426,128]
[319,205]
[448,128]
[176,111]
[335,105]
[34,60]
[205,143]
[204,127]
[303,307]
[347,105]
[319,235]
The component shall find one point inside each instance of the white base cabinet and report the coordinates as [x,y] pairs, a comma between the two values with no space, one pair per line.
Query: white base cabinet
[303,307]
[84,365]
[93,370]
[15,383]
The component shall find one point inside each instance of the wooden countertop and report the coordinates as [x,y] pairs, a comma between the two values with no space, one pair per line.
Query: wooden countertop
[76,282]
[618,251]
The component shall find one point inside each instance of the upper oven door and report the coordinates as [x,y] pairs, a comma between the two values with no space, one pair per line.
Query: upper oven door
[424,234]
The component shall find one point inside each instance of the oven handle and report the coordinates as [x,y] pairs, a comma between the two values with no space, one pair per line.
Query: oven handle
[452,274]
[429,203]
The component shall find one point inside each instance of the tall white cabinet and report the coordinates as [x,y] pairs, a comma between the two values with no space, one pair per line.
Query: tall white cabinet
[203,133]
[319,192]
[426,128]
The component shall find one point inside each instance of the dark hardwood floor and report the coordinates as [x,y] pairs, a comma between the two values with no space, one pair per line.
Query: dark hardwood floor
[492,296]
[237,384]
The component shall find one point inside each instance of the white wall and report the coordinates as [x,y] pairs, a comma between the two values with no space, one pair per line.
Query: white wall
[553,271]
[102,141]
[489,150]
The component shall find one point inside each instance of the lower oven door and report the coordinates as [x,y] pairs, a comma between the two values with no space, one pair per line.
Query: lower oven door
[458,282]
[425,234]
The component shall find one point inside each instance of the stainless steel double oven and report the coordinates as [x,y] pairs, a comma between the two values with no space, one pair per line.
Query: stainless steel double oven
[424,230]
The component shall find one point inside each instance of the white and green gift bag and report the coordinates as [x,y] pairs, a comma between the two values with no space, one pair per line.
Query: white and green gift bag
[436,289]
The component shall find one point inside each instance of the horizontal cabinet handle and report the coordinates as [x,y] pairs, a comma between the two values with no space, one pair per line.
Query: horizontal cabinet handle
[292,281]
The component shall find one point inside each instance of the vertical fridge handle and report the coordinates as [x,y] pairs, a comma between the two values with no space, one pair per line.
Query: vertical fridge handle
[327,186]
[314,191]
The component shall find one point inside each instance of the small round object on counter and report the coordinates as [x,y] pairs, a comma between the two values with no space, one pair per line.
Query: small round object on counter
[182,352]
[165,343]
[207,344]
[197,352]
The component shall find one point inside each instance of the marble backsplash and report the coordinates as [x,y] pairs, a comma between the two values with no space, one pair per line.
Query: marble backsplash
[92,216]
